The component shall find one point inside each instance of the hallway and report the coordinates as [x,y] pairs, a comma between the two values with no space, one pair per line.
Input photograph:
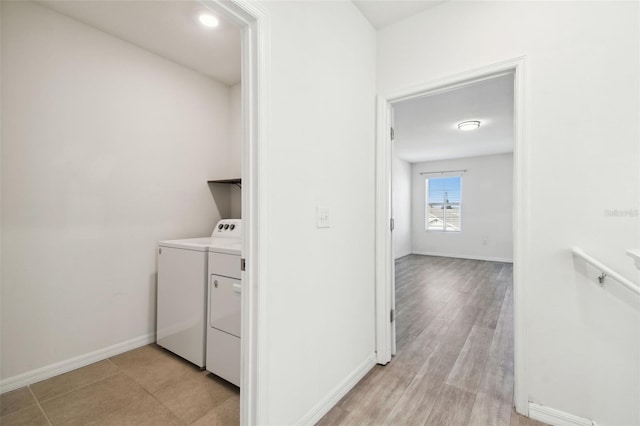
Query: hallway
[454,361]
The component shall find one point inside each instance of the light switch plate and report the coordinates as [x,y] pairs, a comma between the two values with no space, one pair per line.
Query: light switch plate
[322,217]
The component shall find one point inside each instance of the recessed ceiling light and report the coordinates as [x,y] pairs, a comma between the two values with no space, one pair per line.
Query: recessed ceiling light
[208,20]
[469,125]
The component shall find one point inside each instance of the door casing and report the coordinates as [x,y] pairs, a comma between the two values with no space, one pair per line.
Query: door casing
[254,22]
[385,281]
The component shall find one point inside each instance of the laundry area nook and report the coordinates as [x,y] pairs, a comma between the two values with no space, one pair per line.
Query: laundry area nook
[122,140]
[213,339]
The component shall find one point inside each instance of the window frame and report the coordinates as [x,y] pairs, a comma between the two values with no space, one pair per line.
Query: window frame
[426,205]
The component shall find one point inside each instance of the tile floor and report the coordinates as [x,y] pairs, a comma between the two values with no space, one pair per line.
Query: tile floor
[145,386]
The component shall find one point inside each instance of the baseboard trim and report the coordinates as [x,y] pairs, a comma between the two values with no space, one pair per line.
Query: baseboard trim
[327,403]
[402,254]
[460,256]
[48,371]
[556,417]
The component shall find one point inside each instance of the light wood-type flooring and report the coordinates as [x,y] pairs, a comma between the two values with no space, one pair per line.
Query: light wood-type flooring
[454,361]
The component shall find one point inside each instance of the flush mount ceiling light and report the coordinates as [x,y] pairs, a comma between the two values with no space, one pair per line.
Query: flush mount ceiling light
[468,125]
[208,20]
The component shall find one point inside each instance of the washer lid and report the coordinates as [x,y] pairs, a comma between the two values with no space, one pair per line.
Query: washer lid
[225,238]
[197,244]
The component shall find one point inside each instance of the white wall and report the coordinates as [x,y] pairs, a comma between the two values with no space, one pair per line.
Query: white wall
[235,128]
[319,318]
[401,206]
[106,149]
[487,210]
[235,148]
[581,132]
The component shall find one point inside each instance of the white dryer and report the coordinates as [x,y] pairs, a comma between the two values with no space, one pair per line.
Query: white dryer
[182,290]
[225,288]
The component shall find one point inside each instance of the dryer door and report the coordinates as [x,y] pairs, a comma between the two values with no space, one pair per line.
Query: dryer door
[224,304]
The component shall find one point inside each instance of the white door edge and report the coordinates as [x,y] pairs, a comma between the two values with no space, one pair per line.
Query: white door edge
[254,21]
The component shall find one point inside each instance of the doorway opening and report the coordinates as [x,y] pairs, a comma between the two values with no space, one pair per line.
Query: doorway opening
[130,126]
[429,205]
[253,22]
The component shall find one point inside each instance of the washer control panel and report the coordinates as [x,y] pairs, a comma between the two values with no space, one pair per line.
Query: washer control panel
[228,228]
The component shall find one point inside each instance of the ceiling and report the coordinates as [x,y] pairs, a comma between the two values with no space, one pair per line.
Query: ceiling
[167,28]
[426,128]
[386,12]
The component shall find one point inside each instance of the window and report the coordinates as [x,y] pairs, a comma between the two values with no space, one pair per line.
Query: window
[444,196]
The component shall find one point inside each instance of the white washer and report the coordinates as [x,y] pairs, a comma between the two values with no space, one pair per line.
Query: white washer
[223,330]
[182,290]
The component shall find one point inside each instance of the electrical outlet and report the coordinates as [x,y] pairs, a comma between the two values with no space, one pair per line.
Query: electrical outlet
[322,217]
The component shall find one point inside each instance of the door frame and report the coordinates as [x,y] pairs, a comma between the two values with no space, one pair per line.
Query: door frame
[253,20]
[385,281]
